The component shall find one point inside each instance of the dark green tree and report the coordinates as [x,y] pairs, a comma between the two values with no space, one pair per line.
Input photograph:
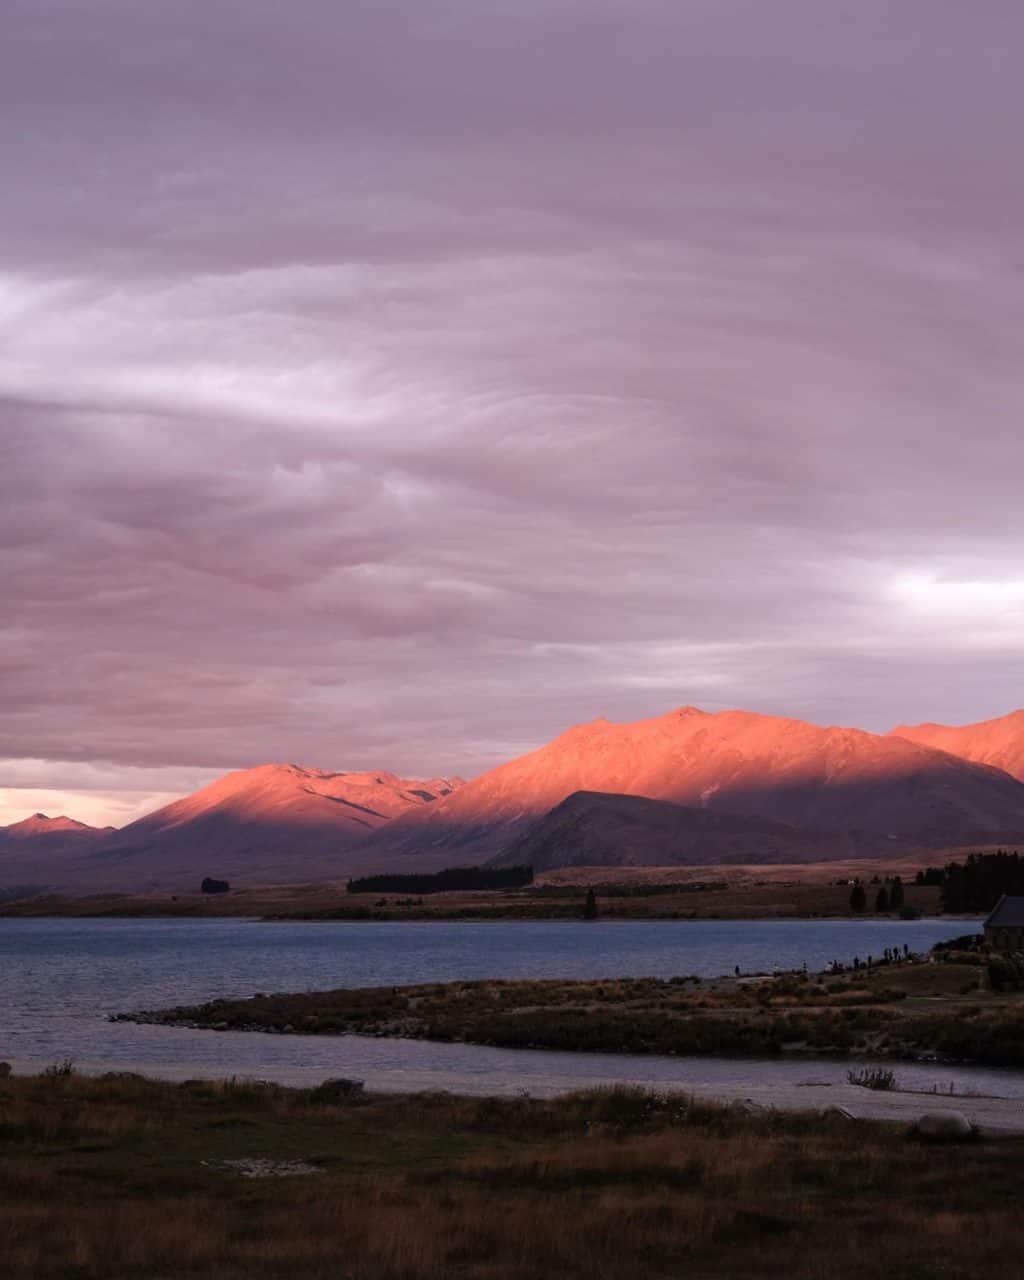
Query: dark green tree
[590,906]
[858,898]
[978,883]
[896,894]
[882,900]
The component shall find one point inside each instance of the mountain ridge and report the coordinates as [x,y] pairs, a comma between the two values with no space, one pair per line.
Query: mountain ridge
[998,742]
[835,779]
[49,835]
[598,829]
[273,822]
[38,824]
[841,790]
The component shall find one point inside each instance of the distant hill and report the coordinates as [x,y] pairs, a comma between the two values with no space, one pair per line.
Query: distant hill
[53,834]
[592,829]
[39,850]
[276,822]
[686,787]
[877,793]
[998,742]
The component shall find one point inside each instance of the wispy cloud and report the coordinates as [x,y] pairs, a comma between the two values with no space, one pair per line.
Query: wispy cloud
[395,384]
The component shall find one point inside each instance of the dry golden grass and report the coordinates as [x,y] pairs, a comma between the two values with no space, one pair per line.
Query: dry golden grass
[899,1010]
[710,892]
[103,1180]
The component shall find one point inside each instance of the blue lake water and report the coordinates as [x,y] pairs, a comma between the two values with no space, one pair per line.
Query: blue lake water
[59,979]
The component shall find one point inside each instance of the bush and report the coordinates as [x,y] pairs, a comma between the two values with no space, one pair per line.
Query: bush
[881,1079]
[626,1106]
[974,958]
[341,1089]
[210,885]
[964,942]
[1002,975]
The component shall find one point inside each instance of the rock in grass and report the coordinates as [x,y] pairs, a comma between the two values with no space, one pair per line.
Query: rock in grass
[944,1126]
[339,1090]
[749,1107]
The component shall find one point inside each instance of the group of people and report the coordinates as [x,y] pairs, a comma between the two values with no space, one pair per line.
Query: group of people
[891,955]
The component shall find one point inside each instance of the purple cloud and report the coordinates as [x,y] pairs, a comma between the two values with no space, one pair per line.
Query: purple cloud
[393,385]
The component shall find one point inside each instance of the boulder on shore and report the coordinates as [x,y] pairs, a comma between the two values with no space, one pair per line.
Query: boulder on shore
[944,1126]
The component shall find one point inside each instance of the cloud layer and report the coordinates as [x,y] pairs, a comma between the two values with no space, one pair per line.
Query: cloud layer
[394,383]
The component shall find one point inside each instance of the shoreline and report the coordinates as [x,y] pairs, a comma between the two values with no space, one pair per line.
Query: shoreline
[904,1009]
[867,918]
[732,891]
[989,1114]
[752,906]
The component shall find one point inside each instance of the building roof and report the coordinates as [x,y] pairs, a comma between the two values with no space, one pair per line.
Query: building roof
[1007,914]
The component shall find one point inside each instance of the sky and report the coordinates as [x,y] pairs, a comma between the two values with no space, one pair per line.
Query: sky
[392,384]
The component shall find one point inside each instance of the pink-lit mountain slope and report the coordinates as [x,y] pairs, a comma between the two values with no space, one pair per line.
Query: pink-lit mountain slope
[877,792]
[594,829]
[38,850]
[43,833]
[999,742]
[274,822]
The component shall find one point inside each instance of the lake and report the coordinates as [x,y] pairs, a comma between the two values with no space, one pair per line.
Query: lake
[59,979]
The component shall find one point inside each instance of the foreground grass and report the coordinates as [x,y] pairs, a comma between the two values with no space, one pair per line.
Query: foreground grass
[900,1011]
[122,1177]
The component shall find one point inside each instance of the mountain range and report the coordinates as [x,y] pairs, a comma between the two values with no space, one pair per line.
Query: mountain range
[597,829]
[999,743]
[54,834]
[35,851]
[689,787]
[854,789]
[271,822]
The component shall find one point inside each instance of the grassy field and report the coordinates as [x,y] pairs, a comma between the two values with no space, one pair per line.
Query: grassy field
[902,1011]
[102,1179]
[623,893]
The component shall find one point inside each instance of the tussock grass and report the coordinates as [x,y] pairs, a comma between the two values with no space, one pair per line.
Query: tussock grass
[103,1179]
[890,1010]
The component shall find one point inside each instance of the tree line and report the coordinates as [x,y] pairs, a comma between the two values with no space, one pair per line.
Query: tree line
[447,881]
[889,897]
[977,884]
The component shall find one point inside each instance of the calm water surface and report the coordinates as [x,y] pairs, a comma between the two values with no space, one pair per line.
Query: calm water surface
[59,979]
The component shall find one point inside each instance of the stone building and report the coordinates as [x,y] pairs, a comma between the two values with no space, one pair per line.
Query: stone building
[1004,928]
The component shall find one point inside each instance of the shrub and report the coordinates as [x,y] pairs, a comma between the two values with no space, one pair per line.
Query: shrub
[1001,974]
[341,1089]
[973,958]
[964,942]
[880,1079]
[625,1106]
